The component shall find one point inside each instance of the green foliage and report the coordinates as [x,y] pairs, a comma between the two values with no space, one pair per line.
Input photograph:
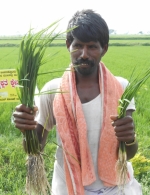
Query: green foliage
[129,37]
[115,40]
[12,166]
[31,58]
[121,61]
[6,126]
[131,90]
[145,182]
[12,163]
[141,165]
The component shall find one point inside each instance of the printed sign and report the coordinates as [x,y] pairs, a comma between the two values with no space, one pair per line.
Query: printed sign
[8,81]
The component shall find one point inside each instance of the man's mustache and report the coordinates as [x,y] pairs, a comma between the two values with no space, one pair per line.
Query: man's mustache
[81,61]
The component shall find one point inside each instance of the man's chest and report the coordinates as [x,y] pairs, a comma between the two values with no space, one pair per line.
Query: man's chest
[87,94]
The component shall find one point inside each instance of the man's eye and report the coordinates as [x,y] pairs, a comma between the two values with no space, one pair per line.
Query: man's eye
[77,46]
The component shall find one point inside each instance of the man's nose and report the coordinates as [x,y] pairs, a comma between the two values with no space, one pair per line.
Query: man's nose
[84,53]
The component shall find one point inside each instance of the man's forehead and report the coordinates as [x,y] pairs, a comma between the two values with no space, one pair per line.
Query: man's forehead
[75,40]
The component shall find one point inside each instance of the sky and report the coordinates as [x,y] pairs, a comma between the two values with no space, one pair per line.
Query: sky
[124,16]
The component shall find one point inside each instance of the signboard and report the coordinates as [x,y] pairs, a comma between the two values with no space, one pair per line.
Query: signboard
[8,81]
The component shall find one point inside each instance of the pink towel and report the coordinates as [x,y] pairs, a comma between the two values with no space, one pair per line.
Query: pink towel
[71,125]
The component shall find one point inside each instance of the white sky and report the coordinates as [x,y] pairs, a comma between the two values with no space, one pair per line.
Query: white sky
[16,16]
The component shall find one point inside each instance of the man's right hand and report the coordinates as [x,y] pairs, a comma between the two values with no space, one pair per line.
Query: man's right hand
[24,117]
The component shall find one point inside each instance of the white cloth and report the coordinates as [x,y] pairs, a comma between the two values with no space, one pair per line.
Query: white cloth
[92,112]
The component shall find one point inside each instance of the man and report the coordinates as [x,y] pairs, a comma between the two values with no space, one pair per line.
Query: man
[84,115]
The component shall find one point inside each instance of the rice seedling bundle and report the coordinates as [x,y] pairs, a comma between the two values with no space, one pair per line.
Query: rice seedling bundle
[31,57]
[132,88]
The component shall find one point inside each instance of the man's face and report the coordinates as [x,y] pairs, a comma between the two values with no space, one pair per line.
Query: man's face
[85,56]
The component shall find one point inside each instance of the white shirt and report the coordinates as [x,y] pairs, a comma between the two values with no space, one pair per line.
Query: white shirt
[92,113]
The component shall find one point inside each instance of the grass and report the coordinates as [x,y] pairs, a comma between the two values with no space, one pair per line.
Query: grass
[121,61]
[17,41]
[114,39]
[12,164]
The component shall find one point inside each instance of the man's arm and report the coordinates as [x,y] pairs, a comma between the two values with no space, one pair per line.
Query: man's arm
[125,131]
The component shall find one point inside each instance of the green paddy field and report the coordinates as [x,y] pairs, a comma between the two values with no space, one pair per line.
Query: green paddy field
[124,54]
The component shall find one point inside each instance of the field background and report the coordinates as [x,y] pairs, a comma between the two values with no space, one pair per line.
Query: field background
[124,54]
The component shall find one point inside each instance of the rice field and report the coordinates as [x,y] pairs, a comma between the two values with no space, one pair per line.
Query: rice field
[121,61]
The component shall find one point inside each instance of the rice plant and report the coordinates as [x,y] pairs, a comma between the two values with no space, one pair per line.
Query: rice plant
[130,91]
[31,57]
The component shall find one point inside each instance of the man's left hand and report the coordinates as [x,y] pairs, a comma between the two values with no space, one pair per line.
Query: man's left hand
[124,128]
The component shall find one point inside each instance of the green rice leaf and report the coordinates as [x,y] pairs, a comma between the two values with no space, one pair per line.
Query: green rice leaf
[131,90]
[31,57]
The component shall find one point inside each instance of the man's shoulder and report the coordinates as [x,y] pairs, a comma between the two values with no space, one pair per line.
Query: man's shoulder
[124,82]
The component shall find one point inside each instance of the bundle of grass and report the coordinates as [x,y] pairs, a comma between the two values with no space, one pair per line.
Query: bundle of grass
[129,93]
[31,57]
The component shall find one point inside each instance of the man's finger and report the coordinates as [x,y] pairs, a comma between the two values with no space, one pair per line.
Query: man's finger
[23,108]
[113,118]
[25,126]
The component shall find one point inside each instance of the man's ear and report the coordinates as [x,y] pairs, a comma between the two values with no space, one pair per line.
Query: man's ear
[105,48]
[68,45]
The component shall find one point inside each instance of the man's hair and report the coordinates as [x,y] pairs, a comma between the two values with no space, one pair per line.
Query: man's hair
[90,27]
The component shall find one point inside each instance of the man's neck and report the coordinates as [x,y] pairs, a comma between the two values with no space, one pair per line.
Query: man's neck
[87,87]
[86,80]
